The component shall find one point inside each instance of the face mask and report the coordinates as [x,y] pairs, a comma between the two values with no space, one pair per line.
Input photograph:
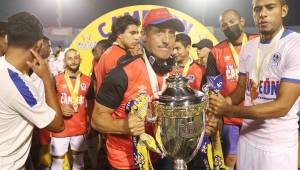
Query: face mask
[161,66]
[233,32]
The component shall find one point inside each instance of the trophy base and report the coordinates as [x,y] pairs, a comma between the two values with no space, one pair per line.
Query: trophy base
[179,164]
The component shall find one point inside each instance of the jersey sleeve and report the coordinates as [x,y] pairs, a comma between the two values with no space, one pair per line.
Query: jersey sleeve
[291,68]
[30,105]
[113,88]
[242,61]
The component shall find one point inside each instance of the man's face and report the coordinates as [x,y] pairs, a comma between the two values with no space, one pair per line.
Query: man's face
[230,19]
[232,25]
[45,49]
[130,38]
[160,42]
[180,52]
[3,45]
[202,55]
[98,51]
[72,61]
[57,50]
[268,14]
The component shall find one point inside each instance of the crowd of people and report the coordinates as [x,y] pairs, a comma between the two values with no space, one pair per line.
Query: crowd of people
[54,117]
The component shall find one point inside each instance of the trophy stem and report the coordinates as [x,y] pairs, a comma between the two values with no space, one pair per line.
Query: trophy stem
[180,164]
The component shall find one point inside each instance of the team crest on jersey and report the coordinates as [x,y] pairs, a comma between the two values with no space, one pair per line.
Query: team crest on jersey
[83,86]
[64,86]
[191,78]
[227,58]
[275,59]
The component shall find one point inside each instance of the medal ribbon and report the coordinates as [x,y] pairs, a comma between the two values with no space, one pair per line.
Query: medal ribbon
[187,66]
[235,53]
[73,90]
[259,63]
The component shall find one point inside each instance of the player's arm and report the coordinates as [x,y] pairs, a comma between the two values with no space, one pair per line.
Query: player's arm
[108,99]
[238,95]
[287,96]
[40,67]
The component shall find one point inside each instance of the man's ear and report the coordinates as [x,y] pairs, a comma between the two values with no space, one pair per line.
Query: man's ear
[284,10]
[38,45]
[143,35]
[188,48]
[5,39]
[242,22]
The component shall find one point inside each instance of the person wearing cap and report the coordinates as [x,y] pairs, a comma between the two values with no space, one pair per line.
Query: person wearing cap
[187,66]
[203,47]
[3,39]
[225,62]
[124,83]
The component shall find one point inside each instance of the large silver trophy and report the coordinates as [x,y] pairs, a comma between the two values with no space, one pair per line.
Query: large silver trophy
[180,120]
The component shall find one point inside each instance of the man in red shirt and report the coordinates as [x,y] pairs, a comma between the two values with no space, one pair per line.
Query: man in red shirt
[187,66]
[124,35]
[73,90]
[225,61]
[123,83]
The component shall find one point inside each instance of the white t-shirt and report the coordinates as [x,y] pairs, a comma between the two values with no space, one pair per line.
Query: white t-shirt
[21,108]
[282,63]
[52,63]
[38,84]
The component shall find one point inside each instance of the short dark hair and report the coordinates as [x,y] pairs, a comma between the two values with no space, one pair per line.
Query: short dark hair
[184,39]
[70,50]
[45,38]
[3,28]
[236,13]
[283,2]
[24,30]
[104,44]
[120,25]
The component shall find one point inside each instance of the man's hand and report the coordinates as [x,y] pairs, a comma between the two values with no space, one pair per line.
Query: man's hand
[211,125]
[218,105]
[67,110]
[136,125]
[39,65]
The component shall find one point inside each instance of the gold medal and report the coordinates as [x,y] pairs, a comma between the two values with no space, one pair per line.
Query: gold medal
[253,92]
[75,107]
[73,90]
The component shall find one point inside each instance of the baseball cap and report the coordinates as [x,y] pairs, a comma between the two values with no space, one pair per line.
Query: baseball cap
[162,17]
[203,43]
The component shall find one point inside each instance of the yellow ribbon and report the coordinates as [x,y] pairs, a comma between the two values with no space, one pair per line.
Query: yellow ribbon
[146,142]
[187,66]
[235,53]
[73,90]
[270,49]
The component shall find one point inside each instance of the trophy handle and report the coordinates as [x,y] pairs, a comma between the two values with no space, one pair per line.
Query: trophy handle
[200,139]
[158,140]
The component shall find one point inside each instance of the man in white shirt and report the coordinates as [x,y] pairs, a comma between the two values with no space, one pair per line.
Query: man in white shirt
[269,81]
[21,106]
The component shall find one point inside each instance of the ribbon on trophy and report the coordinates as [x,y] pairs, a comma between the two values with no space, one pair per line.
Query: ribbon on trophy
[215,85]
[73,90]
[145,142]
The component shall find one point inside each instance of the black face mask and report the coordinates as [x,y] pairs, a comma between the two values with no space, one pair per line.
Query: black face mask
[161,66]
[233,32]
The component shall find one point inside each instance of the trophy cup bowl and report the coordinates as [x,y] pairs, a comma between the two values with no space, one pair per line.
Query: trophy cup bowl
[180,115]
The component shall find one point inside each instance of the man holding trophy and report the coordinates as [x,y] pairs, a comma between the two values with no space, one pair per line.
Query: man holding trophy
[132,77]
